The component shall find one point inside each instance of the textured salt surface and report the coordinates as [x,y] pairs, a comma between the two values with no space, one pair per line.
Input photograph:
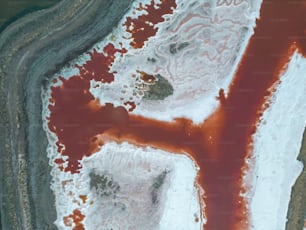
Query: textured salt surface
[140,202]
[139,199]
[276,146]
[214,34]
[214,38]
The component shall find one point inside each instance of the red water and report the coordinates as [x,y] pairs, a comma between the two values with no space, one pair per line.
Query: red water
[147,78]
[220,144]
[131,105]
[144,26]
[77,217]
[98,67]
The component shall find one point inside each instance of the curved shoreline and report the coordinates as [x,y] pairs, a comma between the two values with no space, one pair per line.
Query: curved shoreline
[31,51]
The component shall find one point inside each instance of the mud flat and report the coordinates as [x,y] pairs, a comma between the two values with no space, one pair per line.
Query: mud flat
[31,50]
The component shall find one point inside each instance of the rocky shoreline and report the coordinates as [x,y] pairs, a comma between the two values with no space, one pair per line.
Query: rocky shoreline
[31,51]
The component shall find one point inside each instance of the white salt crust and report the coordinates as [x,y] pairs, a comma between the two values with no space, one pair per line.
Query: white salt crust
[276,146]
[217,38]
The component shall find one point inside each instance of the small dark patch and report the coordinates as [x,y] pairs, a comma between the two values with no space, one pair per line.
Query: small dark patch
[245,29]
[45,82]
[120,205]
[153,60]
[157,184]
[104,184]
[174,47]
[160,90]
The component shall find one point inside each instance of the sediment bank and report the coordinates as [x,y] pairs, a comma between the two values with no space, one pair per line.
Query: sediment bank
[297,206]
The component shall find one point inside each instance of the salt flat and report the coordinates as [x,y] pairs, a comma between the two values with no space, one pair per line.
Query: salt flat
[196,50]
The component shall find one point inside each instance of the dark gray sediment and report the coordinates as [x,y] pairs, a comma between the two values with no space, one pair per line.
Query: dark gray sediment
[159,90]
[10,11]
[297,206]
[31,51]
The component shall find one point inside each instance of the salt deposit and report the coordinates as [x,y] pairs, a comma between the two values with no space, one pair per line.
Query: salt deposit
[276,146]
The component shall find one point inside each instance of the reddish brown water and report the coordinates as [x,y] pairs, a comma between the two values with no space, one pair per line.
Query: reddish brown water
[143,27]
[131,105]
[76,217]
[98,67]
[220,144]
[147,78]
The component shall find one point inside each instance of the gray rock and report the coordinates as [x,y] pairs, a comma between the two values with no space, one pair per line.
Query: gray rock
[159,90]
